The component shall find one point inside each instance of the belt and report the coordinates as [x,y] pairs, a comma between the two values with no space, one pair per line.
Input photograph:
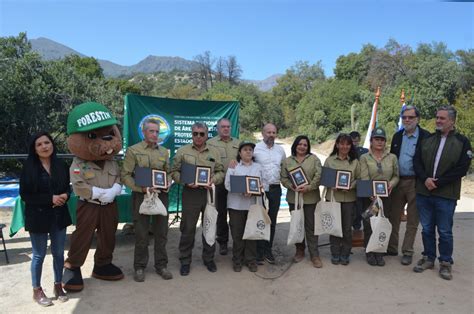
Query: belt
[274,185]
[407,177]
[93,201]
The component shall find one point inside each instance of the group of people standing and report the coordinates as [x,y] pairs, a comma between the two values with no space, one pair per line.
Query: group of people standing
[423,172]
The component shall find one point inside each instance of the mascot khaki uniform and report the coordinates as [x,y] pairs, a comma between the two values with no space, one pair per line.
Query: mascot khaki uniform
[94,139]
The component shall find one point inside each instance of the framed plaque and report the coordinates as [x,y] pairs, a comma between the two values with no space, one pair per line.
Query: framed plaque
[343,180]
[380,188]
[159,179]
[203,175]
[298,177]
[253,185]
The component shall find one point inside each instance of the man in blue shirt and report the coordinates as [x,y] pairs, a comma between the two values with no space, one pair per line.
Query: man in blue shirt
[404,145]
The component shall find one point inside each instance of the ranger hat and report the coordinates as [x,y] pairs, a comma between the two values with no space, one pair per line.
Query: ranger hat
[89,116]
[246,144]
[378,132]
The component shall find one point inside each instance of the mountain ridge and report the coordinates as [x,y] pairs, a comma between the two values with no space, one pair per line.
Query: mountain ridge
[52,50]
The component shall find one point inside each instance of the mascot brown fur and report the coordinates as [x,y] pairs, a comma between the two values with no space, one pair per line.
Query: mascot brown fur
[94,139]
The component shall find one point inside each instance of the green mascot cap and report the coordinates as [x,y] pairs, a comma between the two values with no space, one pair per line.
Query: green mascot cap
[89,116]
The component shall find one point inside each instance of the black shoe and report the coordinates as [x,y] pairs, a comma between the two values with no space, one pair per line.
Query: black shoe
[223,249]
[260,261]
[407,259]
[211,266]
[269,258]
[335,259]
[345,260]
[237,268]
[185,269]
[371,259]
[391,253]
[379,259]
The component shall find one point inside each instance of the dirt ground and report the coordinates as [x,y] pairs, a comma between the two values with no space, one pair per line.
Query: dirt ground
[281,288]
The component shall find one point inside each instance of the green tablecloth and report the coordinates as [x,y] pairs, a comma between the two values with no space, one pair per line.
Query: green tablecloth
[124,202]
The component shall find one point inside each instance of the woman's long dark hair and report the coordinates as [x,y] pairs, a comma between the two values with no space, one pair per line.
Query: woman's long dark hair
[297,141]
[32,167]
[342,137]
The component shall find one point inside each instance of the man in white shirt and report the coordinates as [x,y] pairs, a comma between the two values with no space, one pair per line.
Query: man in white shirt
[270,157]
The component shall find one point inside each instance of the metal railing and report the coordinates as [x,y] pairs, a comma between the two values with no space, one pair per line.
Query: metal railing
[24,156]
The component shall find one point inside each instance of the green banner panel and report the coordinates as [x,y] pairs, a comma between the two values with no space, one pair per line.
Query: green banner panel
[176,116]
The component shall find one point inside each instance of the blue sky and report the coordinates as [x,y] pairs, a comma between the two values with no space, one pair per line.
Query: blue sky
[267,37]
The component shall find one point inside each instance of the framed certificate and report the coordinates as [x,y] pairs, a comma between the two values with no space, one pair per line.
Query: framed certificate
[253,185]
[380,188]
[343,180]
[159,179]
[298,177]
[203,175]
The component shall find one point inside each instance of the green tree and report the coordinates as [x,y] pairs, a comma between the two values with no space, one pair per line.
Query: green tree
[87,66]
[293,86]
[326,108]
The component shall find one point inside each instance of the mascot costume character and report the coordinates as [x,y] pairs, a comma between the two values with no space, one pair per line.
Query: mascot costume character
[93,138]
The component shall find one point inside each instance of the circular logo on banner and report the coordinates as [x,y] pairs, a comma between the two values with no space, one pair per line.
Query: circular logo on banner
[260,224]
[326,221]
[382,237]
[165,130]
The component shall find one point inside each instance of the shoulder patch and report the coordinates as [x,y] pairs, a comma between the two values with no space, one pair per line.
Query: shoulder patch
[469,154]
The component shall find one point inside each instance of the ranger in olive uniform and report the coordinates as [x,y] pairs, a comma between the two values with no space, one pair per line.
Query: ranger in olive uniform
[95,177]
[150,155]
[301,156]
[228,147]
[195,197]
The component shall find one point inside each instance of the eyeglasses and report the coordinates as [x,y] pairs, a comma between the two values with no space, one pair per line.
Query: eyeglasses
[408,117]
[201,134]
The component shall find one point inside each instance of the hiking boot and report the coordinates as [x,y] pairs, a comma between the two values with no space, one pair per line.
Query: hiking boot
[423,264]
[252,266]
[371,259]
[317,262]
[335,259]
[41,298]
[139,275]
[299,255]
[445,270]
[164,273]
[407,259]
